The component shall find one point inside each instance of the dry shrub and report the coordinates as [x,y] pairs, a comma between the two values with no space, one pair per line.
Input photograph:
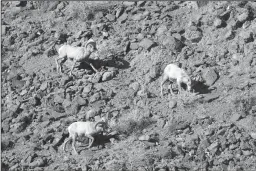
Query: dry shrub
[132,123]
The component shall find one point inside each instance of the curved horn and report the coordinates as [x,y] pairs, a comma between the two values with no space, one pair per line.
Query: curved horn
[100,122]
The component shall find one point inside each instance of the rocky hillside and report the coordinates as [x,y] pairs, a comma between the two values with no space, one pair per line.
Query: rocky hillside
[211,128]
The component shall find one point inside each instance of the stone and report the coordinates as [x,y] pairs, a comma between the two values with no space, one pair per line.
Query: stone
[146,43]
[210,76]
[217,22]
[161,30]
[123,18]
[246,35]
[128,3]
[144,138]
[253,135]
[173,44]
[134,46]
[119,12]
[235,117]
[172,104]
[92,113]
[193,35]
[65,79]
[111,17]
[137,17]
[243,17]
[229,34]
[95,97]
[108,75]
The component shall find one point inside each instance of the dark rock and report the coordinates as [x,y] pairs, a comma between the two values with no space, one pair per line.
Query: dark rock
[173,44]
[210,76]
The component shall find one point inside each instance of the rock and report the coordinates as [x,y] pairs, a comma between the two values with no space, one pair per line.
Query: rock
[193,35]
[40,162]
[87,89]
[58,99]
[134,46]
[92,113]
[123,18]
[111,17]
[65,79]
[243,17]
[141,3]
[108,75]
[218,23]
[95,97]
[173,44]
[235,117]
[161,30]
[247,36]
[119,12]
[135,86]
[210,97]
[137,17]
[253,135]
[128,3]
[146,43]
[210,76]
[144,138]
[81,101]
[4,29]
[97,77]
[172,104]
[229,35]
[140,36]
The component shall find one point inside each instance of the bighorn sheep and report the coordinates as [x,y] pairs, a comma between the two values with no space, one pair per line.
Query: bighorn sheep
[78,54]
[87,129]
[172,71]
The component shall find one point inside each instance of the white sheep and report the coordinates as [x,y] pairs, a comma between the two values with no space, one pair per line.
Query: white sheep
[172,71]
[88,129]
[78,54]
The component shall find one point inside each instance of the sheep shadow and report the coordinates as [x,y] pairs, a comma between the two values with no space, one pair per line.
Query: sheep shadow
[114,62]
[201,88]
[100,140]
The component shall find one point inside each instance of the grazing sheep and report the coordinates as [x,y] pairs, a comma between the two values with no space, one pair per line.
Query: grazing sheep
[87,129]
[172,71]
[78,54]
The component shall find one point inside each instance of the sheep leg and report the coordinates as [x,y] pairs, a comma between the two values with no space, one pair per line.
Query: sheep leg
[163,81]
[72,68]
[91,138]
[73,143]
[64,145]
[179,87]
[93,68]
[63,59]
[170,87]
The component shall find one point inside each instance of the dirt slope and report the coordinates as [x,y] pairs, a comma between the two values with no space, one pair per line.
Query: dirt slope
[212,128]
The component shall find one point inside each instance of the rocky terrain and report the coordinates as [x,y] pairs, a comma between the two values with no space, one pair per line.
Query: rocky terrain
[211,128]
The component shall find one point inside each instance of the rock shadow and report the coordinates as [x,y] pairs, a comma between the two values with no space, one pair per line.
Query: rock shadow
[201,88]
